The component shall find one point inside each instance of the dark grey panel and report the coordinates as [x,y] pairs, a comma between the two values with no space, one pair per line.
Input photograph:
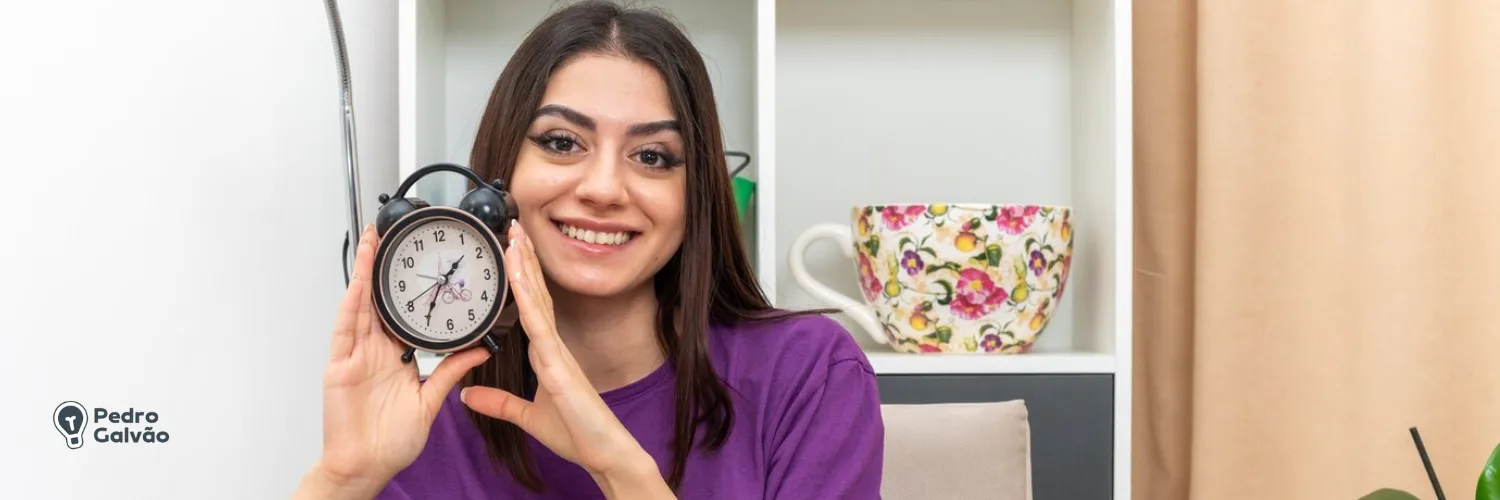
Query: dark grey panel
[1072,423]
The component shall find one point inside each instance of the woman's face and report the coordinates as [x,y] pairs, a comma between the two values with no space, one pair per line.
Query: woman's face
[600,182]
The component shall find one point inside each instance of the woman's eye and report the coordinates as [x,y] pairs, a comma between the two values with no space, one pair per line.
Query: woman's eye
[656,159]
[557,143]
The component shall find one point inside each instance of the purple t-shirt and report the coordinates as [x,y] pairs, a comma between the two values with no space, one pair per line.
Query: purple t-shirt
[807,426]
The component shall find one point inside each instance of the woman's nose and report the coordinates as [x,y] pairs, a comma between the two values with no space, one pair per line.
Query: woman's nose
[602,184]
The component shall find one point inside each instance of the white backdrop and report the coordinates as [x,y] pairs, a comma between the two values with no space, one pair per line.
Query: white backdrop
[173,175]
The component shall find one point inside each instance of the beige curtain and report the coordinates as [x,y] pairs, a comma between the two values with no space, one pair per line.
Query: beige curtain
[1317,246]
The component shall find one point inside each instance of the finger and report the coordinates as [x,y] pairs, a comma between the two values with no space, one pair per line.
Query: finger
[365,262]
[530,272]
[552,348]
[515,273]
[519,287]
[543,339]
[533,271]
[498,403]
[343,326]
[351,306]
[448,372]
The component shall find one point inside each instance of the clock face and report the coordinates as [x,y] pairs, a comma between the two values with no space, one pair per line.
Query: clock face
[441,280]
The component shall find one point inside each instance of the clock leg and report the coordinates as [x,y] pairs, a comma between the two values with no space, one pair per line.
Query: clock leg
[407,356]
[489,343]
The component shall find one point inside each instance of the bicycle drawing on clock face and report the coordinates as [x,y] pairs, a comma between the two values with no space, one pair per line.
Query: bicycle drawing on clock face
[449,291]
[455,291]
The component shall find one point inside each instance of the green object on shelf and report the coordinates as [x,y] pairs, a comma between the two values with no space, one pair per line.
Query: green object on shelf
[744,190]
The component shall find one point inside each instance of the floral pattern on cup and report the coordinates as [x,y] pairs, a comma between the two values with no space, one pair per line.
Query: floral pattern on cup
[963,278]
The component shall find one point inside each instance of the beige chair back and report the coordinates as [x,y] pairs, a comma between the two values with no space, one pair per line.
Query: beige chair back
[957,451]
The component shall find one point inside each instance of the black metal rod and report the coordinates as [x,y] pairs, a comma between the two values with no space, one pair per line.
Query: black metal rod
[1427,462]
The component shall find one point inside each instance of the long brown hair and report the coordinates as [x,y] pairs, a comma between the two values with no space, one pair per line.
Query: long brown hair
[708,279]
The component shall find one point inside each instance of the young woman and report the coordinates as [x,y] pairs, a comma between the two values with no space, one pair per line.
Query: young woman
[647,363]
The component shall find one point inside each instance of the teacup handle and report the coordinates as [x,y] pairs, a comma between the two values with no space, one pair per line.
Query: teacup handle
[859,311]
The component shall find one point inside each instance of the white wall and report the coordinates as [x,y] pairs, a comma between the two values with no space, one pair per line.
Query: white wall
[173,172]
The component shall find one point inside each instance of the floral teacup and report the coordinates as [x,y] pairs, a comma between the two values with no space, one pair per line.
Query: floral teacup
[971,278]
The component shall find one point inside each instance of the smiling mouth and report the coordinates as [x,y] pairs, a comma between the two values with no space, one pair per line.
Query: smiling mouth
[596,237]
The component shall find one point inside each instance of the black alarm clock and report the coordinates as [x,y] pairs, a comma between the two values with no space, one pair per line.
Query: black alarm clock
[439,278]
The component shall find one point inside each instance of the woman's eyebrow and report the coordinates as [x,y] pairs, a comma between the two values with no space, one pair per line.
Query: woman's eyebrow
[566,113]
[649,128]
[586,122]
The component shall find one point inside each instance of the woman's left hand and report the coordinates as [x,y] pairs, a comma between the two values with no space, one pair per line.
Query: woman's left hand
[567,416]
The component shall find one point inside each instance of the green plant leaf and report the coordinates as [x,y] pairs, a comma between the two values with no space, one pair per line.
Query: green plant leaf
[1489,478]
[1389,494]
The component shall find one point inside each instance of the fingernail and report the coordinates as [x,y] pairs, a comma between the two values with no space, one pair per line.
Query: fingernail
[463,395]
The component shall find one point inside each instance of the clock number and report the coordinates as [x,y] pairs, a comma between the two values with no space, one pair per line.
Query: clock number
[401,284]
[409,262]
[439,236]
[478,252]
[418,244]
[471,315]
[461,239]
[485,296]
[486,274]
[411,307]
[450,323]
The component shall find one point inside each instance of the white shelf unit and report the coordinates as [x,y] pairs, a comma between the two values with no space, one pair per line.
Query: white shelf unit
[1003,101]
[998,101]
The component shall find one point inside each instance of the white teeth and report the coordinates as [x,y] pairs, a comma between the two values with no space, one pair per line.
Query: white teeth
[595,237]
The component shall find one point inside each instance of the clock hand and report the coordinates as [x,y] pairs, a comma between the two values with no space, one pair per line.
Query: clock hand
[433,304]
[454,268]
[429,309]
[424,292]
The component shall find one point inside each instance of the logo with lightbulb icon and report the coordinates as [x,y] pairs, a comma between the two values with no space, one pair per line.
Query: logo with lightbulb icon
[72,421]
[70,418]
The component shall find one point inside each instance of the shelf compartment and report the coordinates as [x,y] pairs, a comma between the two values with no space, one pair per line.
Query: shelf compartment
[1012,101]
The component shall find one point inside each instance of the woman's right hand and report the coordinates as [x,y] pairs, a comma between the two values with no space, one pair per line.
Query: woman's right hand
[376,413]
